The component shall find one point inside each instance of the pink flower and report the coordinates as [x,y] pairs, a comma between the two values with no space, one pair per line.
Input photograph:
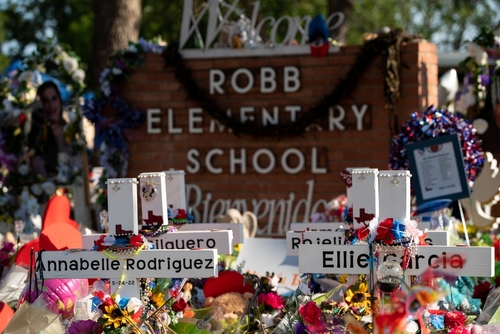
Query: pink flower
[271,299]
[311,314]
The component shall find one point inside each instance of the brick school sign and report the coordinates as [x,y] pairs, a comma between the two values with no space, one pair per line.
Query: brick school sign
[282,179]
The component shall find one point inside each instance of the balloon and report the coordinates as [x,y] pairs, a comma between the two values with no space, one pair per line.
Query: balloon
[60,236]
[60,294]
[58,211]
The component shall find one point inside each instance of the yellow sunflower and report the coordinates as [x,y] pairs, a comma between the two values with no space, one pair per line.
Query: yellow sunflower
[115,316]
[357,295]
[157,299]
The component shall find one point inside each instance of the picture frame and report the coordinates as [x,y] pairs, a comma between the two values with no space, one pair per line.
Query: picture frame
[438,169]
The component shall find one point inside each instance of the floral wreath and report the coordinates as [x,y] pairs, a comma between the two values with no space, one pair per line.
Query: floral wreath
[113,132]
[18,93]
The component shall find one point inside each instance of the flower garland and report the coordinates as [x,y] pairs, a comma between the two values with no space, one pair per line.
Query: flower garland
[386,43]
[20,186]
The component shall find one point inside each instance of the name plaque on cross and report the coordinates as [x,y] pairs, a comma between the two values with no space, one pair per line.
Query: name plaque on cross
[355,259]
[146,263]
[237,229]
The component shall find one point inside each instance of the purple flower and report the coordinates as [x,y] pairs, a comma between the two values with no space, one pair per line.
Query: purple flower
[300,328]
[85,327]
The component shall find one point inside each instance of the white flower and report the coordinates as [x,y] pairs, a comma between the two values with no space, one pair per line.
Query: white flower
[108,240]
[411,227]
[36,189]
[133,305]
[117,71]
[70,64]
[267,319]
[26,76]
[477,52]
[304,289]
[78,75]
[23,169]
[49,187]
[132,48]
[481,125]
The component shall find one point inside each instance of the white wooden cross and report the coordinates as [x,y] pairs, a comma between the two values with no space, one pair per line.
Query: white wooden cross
[125,269]
[321,252]
[172,193]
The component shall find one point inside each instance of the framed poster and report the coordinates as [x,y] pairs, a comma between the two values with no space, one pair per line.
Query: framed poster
[437,167]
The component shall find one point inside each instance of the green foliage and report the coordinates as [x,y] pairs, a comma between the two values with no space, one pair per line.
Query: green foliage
[449,24]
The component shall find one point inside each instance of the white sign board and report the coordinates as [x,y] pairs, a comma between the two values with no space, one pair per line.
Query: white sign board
[261,255]
[147,263]
[295,239]
[237,229]
[354,259]
[437,238]
[316,226]
[220,240]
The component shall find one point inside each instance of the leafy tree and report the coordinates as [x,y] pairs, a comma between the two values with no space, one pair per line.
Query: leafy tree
[449,24]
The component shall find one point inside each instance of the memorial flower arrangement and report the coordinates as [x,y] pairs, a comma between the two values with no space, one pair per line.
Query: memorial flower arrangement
[332,312]
[17,94]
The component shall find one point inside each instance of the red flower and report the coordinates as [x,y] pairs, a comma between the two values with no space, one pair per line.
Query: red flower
[179,305]
[311,314]
[99,294]
[136,241]
[482,290]
[454,319]
[99,244]
[384,232]
[496,246]
[271,299]
[22,119]
[459,330]
[137,315]
[362,233]
[387,238]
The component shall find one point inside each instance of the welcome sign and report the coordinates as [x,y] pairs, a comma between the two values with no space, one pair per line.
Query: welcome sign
[301,129]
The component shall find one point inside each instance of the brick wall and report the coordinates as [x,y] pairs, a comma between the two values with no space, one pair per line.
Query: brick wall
[155,87]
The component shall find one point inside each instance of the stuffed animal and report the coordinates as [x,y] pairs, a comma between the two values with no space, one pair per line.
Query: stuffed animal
[230,305]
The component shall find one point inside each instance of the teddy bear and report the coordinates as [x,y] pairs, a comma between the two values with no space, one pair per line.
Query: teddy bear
[229,298]
[230,305]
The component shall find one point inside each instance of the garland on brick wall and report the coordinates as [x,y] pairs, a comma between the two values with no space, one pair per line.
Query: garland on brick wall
[388,44]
